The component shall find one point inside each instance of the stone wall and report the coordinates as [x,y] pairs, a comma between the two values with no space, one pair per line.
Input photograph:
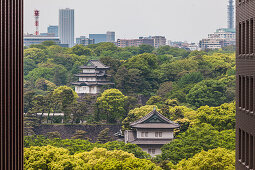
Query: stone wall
[67,131]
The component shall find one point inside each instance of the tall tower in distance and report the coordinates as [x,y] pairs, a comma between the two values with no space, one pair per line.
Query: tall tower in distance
[231,14]
[66,26]
[36,14]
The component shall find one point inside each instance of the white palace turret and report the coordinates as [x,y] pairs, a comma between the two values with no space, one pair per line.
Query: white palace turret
[92,78]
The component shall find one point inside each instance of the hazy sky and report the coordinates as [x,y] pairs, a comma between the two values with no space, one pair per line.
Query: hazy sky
[182,20]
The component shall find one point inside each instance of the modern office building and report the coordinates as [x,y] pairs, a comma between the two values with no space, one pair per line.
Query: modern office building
[34,39]
[98,38]
[66,26]
[53,29]
[84,41]
[110,36]
[11,85]
[245,76]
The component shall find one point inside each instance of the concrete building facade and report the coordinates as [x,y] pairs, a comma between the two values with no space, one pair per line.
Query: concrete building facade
[66,26]
[245,76]
[34,39]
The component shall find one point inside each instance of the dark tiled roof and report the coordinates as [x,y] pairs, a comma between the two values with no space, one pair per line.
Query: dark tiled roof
[90,83]
[156,126]
[141,122]
[95,64]
[151,141]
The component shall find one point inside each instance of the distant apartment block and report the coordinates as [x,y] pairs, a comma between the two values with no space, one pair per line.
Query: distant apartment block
[33,39]
[66,26]
[84,41]
[221,38]
[158,40]
[53,29]
[134,42]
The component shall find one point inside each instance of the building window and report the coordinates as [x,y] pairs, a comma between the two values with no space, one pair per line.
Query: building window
[151,151]
[158,134]
[251,152]
[247,37]
[247,93]
[240,91]
[243,92]
[251,94]
[251,36]
[144,134]
[243,39]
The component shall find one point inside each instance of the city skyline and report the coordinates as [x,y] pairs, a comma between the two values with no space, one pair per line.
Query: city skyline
[177,20]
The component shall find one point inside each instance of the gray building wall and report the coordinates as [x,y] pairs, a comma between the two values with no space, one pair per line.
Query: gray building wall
[66,26]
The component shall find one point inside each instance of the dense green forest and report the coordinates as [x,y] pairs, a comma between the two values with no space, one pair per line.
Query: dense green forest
[195,89]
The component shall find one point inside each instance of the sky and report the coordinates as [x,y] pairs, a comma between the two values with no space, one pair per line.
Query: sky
[178,20]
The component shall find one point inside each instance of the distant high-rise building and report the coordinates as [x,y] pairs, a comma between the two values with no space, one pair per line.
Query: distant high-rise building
[98,38]
[231,14]
[66,26]
[159,41]
[110,36]
[53,29]
[84,41]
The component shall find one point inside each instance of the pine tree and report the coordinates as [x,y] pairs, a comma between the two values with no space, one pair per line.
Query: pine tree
[103,136]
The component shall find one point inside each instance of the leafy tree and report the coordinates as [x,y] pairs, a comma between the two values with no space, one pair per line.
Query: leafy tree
[175,52]
[49,157]
[48,43]
[65,96]
[144,48]
[111,105]
[105,47]
[220,159]
[165,88]
[190,78]
[136,114]
[81,50]
[30,122]
[221,118]
[53,135]
[207,92]
[37,55]
[196,139]
[80,134]
[79,145]
[103,136]
[29,65]
[44,85]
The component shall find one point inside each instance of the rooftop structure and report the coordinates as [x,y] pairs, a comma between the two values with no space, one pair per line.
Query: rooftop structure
[151,132]
[92,78]
[33,40]
[134,42]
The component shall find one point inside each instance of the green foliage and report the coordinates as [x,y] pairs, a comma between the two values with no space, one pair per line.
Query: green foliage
[136,114]
[111,105]
[176,52]
[79,134]
[35,54]
[58,158]
[79,145]
[207,92]
[220,159]
[53,135]
[221,118]
[103,136]
[194,140]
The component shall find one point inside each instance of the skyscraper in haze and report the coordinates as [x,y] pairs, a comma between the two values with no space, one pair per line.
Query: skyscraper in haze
[110,36]
[66,26]
[231,14]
